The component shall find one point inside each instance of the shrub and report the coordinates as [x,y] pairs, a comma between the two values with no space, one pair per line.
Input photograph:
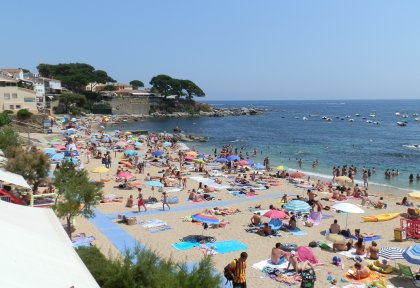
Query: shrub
[8,112]
[4,119]
[24,114]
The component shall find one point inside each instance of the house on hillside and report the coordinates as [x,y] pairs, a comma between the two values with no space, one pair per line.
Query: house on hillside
[16,94]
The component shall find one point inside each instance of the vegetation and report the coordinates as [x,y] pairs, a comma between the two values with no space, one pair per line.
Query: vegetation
[71,103]
[136,84]
[29,163]
[8,139]
[4,118]
[74,76]
[24,114]
[184,106]
[76,194]
[110,88]
[147,271]
[168,86]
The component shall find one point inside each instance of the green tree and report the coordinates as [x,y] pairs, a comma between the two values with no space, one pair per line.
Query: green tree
[163,84]
[136,84]
[8,139]
[4,118]
[110,88]
[24,114]
[149,270]
[191,89]
[29,163]
[69,102]
[74,76]
[76,194]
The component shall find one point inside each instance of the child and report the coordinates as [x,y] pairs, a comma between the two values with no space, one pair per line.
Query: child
[165,201]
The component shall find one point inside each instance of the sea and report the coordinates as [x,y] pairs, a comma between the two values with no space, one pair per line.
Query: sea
[362,133]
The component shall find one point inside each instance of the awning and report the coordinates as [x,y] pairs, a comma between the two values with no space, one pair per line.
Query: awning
[15,179]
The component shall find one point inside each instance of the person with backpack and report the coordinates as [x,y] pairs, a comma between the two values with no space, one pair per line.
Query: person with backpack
[236,271]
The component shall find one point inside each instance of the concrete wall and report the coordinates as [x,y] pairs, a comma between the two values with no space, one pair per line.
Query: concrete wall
[131,105]
[15,98]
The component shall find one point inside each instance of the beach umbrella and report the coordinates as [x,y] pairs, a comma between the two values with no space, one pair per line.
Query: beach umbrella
[100,170]
[297,206]
[105,139]
[188,158]
[258,166]
[121,144]
[127,133]
[157,153]
[137,144]
[130,152]
[391,253]
[233,158]
[73,153]
[128,148]
[115,139]
[415,195]
[343,179]
[199,161]
[280,168]
[201,156]
[191,153]
[348,208]
[336,238]
[154,184]
[275,214]
[297,175]
[93,139]
[49,151]
[243,162]
[102,149]
[126,175]
[59,147]
[221,160]
[412,254]
[251,162]
[57,156]
[204,218]
[167,143]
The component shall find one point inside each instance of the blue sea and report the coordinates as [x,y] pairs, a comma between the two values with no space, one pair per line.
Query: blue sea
[372,139]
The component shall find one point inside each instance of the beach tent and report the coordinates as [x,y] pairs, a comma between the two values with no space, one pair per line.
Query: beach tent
[37,252]
[14,179]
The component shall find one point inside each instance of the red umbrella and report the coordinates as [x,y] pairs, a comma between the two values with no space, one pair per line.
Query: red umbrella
[275,214]
[297,175]
[243,162]
[189,158]
[126,175]
[128,148]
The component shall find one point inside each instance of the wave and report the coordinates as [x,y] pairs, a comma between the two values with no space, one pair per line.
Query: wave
[412,146]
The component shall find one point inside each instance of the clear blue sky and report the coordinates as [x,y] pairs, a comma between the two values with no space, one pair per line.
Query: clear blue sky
[233,49]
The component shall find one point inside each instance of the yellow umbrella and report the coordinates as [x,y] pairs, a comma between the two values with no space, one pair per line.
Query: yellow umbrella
[280,168]
[343,179]
[200,161]
[336,239]
[415,195]
[100,169]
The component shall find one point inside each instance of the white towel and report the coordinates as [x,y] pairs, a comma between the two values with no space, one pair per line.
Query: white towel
[265,263]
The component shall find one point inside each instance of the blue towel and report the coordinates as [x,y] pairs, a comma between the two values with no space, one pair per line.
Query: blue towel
[185,245]
[227,246]
[297,232]
[368,239]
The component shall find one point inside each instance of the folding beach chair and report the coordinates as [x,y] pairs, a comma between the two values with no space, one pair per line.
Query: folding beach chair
[405,270]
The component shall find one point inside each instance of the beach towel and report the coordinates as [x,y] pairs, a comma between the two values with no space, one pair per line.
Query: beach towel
[154,205]
[373,276]
[327,216]
[315,218]
[82,240]
[288,280]
[224,247]
[159,228]
[185,245]
[152,223]
[267,263]
[351,254]
[368,239]
[237,193]
[297,232]
[173,190]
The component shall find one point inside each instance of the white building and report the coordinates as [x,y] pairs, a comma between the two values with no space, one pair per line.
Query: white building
[16,94]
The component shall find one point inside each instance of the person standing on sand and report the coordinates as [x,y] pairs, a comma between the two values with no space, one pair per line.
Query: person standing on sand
[165,201]
[238,268]
[140,201]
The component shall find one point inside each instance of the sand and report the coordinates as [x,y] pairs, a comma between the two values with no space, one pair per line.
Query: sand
[259,248]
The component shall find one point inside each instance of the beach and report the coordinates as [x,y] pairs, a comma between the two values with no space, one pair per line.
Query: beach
[258,247]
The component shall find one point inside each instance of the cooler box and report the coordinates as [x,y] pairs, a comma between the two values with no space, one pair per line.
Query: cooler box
[400,234]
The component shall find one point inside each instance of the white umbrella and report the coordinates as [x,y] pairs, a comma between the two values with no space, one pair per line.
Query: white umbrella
[348,208]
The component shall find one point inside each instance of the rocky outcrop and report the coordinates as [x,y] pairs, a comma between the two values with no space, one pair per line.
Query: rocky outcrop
[189,138]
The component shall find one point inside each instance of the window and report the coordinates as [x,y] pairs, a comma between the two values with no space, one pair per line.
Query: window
[18,106]
[6,96]
[29,99]
[12,107]
[14,96]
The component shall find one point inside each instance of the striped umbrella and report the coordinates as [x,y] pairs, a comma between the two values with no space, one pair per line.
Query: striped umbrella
[209,219]
[391,253]
[412,254]
[297,206]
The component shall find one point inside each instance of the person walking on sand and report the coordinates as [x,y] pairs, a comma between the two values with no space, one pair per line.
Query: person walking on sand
[165,201]
[238,271]
[140,201]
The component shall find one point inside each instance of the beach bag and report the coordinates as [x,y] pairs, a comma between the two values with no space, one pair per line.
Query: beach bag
[308,279]
[228,271]
[313,244]
[346,233]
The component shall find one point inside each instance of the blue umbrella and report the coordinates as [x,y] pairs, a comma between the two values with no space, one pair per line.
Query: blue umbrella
[130,152]
[201,156]
[154,184]
[157,153]
[297,206]
[105,139]
[258,166]
[233,158]
[73,153]
[221,160]
[57,156]
[251,162]
[412,254]
[167,144]
[93,139]
[138,144]
[49,151]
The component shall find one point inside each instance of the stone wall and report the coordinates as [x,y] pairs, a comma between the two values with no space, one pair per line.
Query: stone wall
[131,106]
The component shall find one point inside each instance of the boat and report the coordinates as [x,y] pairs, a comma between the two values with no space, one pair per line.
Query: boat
[372,115]
[401,123]
[417,119]
[381,217]
[357,114]
[351,120]
[397,113]
[304,118]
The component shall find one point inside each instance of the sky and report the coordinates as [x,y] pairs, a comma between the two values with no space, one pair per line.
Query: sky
[232,49]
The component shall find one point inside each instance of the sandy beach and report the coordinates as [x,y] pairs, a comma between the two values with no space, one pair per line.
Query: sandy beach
[258,247]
